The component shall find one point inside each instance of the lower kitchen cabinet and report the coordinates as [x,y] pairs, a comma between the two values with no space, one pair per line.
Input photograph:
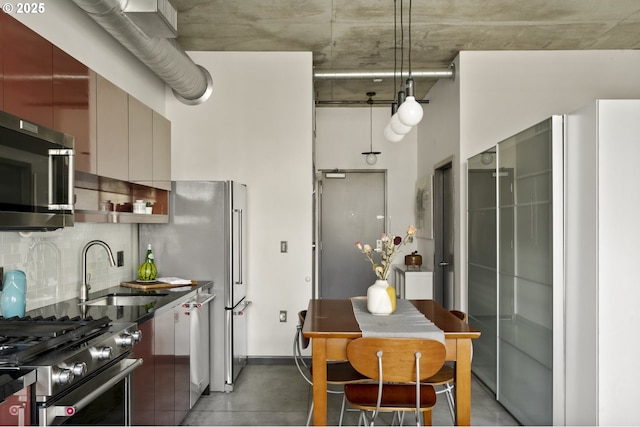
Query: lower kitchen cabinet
[182,379]
[164,369]
[154,381]
[161,389]
[143,378]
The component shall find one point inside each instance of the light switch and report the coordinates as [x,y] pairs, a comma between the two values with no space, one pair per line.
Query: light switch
[283,246]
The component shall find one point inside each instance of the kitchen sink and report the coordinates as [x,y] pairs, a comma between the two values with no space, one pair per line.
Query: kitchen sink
[124,299]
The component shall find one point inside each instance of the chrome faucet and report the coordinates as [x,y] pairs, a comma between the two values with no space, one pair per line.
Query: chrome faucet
[85,286]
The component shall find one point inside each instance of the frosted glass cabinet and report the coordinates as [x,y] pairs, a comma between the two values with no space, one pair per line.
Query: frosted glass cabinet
[553,232]
[511,286]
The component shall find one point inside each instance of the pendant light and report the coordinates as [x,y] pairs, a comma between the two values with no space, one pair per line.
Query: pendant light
[371,156]
[410,112]
[388,132]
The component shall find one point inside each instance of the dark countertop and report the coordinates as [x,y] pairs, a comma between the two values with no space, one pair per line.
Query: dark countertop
[121,314]
[15,379]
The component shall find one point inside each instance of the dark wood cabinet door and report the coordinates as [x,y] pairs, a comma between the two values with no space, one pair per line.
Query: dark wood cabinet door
[2,37]
[164,355]
[182,363]
[144,378]
[72,86]
[28,73]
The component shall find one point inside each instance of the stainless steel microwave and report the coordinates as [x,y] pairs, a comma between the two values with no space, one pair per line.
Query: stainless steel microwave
[36,176]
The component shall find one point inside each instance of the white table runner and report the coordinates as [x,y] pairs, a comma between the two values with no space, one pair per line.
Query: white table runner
[405,322]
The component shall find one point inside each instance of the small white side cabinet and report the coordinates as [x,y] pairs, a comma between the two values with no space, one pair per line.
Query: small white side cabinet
[412,283]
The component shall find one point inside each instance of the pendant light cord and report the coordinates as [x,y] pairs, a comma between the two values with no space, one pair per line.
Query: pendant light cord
[410,39]
[395,49]
[401,41]
[370,124]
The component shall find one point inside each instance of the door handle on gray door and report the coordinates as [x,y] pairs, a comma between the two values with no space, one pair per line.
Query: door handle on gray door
[443,264]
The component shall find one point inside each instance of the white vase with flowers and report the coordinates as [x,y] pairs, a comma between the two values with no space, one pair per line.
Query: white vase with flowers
[381,296]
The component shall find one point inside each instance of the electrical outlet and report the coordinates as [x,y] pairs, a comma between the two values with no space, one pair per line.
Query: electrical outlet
[120,256]
[283,315]
[1,277]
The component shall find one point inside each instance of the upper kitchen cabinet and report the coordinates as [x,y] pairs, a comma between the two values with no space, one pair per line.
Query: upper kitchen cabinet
[112,126]
[161,152]
[2,24]
[149,146]
[27,73]
[74,107]
[140,142]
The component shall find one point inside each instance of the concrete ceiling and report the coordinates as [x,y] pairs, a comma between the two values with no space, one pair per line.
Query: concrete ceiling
[358,35]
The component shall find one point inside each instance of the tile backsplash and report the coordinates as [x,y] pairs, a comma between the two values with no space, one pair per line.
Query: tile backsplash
[52,260]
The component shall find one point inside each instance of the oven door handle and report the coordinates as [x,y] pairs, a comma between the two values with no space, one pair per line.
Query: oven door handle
[48,414]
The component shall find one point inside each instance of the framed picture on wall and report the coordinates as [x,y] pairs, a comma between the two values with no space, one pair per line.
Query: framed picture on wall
[424,207]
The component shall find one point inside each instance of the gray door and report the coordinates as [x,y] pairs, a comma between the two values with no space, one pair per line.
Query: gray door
[443,286]
[352,208]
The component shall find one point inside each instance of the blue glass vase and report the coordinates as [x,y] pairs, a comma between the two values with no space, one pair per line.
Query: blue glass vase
[14,292]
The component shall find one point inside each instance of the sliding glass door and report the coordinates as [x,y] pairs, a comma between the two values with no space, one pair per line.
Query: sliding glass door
[512,276]
[525,279]
[482,264]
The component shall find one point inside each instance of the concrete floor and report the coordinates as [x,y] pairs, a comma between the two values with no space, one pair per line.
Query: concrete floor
[277,395]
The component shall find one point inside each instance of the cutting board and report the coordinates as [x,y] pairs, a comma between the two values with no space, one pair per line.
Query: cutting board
[154,285]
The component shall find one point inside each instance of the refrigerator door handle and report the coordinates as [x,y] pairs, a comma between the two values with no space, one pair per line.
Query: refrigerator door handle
[240,310]
[240,280]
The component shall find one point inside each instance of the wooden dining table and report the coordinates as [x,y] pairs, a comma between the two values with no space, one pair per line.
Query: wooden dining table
[331,324]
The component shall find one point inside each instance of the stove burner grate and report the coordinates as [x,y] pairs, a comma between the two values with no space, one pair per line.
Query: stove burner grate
[23,339]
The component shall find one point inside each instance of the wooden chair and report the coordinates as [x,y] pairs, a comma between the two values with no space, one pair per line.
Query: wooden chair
[338,373]
[397,365]
[446,375]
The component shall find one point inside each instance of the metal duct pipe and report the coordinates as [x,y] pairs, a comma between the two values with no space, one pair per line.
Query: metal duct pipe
[370,75]
[191,83]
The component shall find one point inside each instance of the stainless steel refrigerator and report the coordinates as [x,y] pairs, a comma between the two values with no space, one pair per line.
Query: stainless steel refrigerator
[206,239]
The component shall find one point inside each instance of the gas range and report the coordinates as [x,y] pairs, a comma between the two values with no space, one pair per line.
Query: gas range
[63,351]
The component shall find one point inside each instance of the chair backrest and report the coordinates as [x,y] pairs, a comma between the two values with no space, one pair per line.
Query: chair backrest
[459,314]
[300,342]
[398,357]
[304,342]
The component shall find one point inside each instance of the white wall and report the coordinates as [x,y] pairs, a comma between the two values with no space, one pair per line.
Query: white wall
[257,129]
[342,134]
[500,93]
